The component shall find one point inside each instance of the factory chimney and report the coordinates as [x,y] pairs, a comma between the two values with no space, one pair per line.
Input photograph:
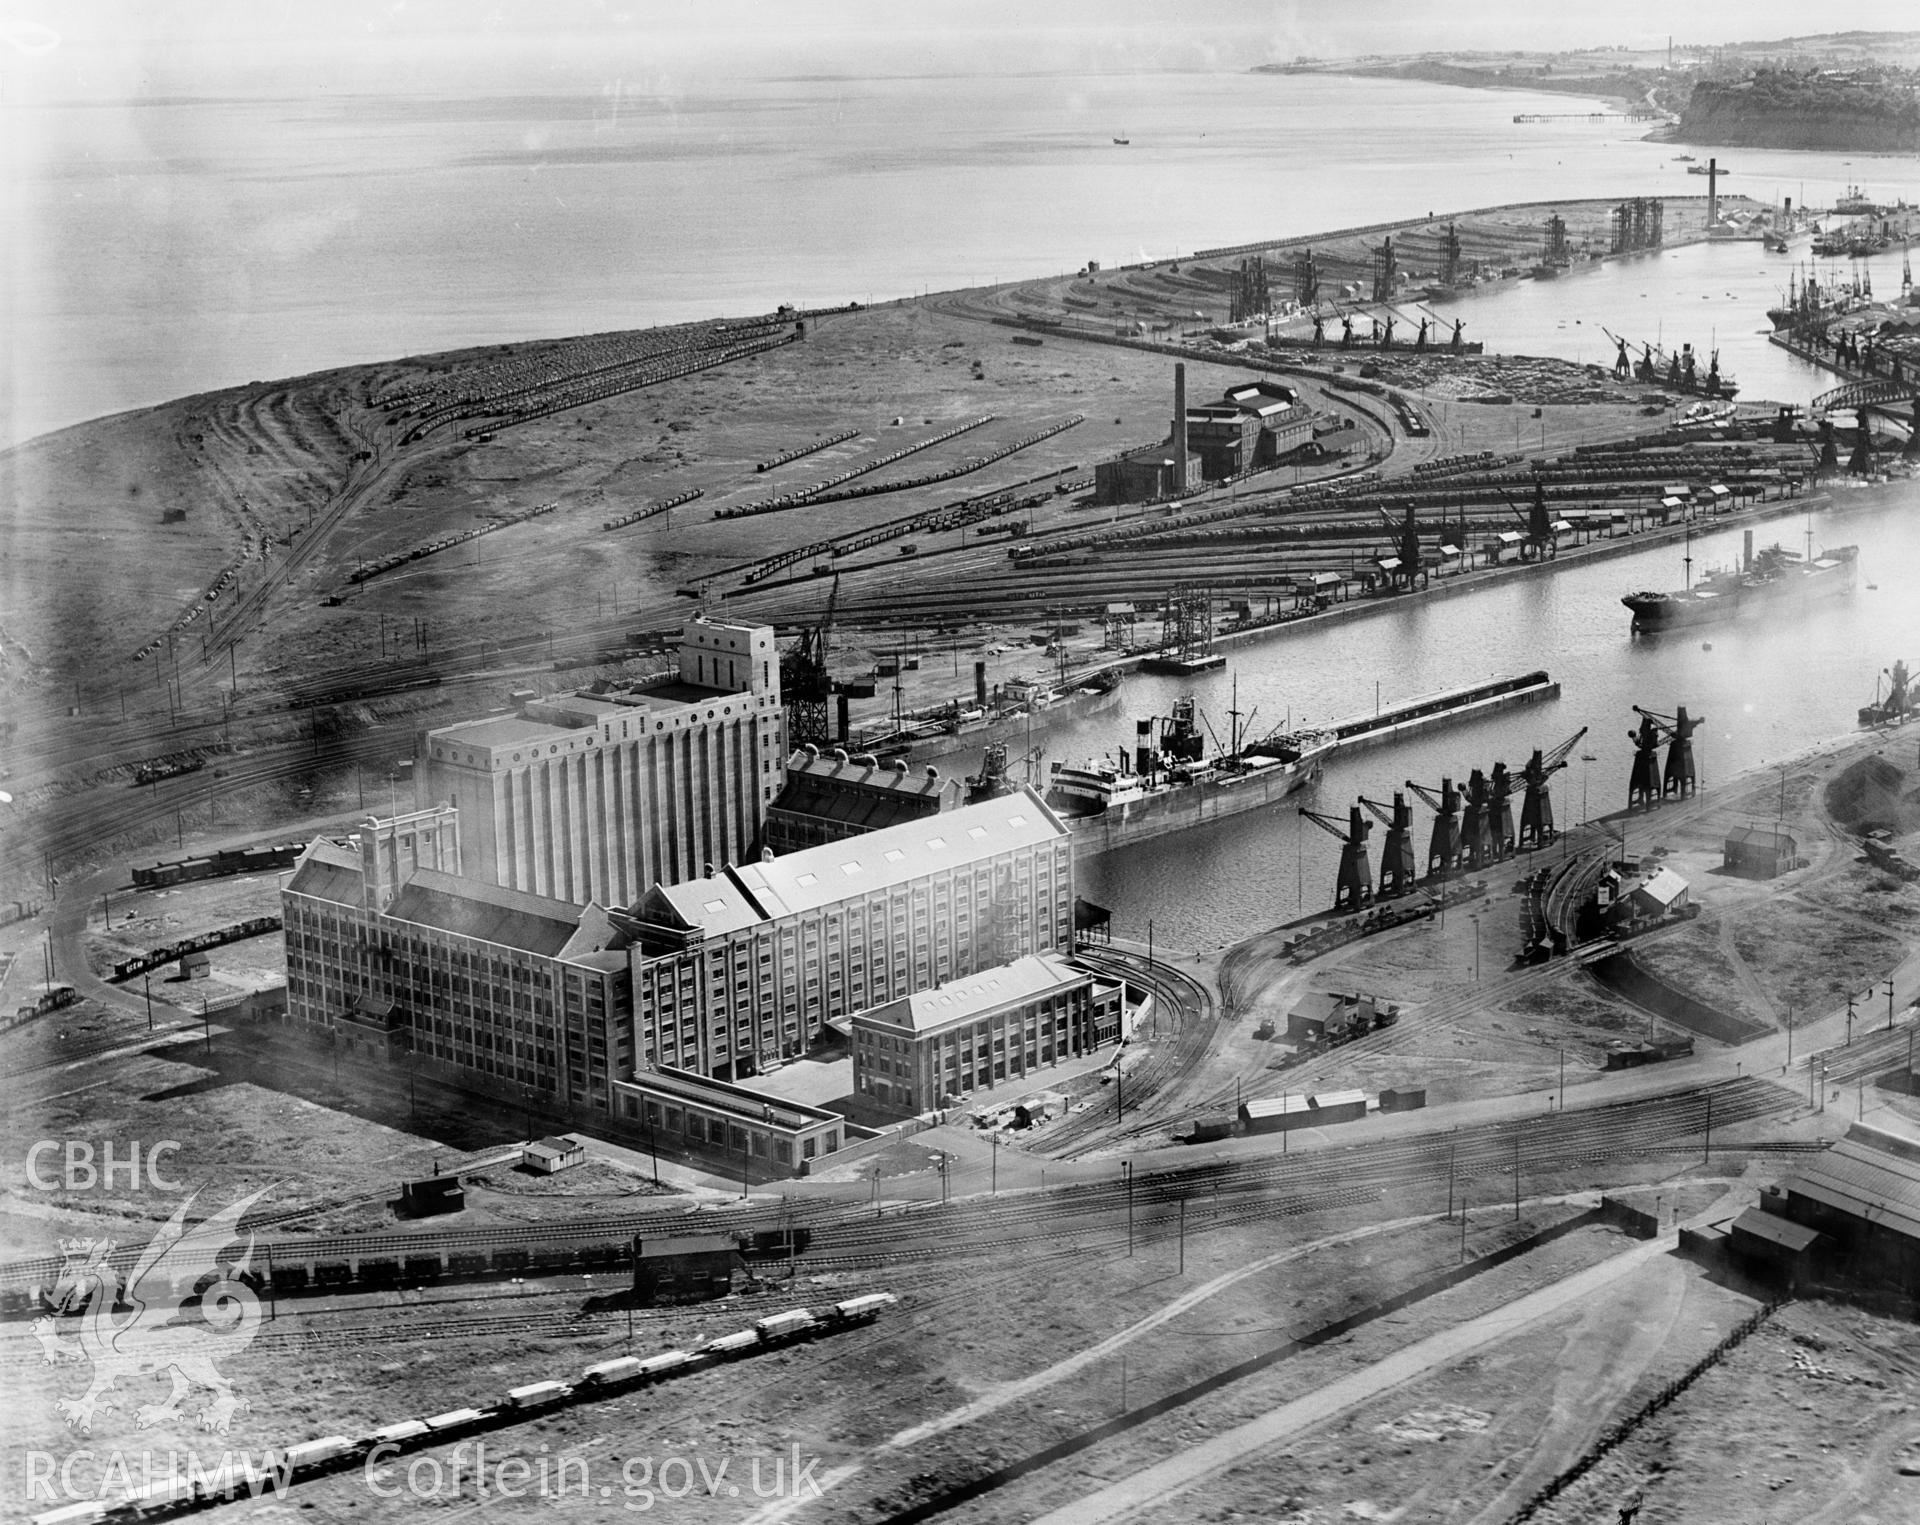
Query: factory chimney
[1179,427]
[1713,193]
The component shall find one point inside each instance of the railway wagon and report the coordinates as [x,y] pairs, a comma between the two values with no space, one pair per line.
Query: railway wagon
[784,1326]
[538,1394]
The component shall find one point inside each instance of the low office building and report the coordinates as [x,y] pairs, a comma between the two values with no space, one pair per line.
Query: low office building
[830,797]
[599,794]
[926,1049]
[748,964]
[726,1127]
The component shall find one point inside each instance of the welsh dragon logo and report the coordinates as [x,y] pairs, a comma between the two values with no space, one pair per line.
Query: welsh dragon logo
[180,1310]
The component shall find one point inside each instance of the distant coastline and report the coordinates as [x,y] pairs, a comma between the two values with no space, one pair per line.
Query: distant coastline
[1433,71]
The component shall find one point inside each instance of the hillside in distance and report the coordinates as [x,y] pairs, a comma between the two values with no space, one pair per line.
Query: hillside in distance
[1870,109]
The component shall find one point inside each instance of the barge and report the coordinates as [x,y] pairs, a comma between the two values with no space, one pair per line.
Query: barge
[1451,704]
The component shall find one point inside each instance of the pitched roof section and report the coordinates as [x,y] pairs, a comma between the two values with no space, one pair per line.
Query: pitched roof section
[1027,978]
[468,908]
[1871,1173]
[819,876]
[327,871]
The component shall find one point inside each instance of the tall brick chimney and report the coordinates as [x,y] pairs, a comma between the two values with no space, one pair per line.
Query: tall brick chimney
[1179,427]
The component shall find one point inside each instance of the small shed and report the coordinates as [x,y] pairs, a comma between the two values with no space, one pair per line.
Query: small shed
[1719,498]
[1277,1114]
[1662,895]
[1760,852]
[1507,545]
[433,1196]
[1338,1106]
[1403,1099]
[1773,1241]
[195,966]
[684,1268]
[549,1156]
[1671,509]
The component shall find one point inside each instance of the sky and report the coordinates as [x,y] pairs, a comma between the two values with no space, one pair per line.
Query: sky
[118,49]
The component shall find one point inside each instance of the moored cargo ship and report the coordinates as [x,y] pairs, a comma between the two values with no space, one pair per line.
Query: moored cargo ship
[1168,785]
[1774,579]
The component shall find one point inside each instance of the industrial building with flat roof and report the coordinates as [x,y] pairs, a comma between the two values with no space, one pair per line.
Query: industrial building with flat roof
[727,1126]
[928,1048]
[750,963]
[595,796]
[1257,424]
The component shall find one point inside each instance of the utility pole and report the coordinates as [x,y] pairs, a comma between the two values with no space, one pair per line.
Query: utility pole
[1451,1150]
[1889,1005]
[1516,1175]
[1126,1170]
[206,1025]
[1563,1080]
[1708,1156]
[1849,1042]
[1463,1228]
[1183,1236]
[993,1189]
[146,981]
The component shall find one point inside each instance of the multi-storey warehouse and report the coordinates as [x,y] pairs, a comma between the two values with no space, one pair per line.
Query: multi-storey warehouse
[596,796]
[520,992]
[750,963]
[516,992]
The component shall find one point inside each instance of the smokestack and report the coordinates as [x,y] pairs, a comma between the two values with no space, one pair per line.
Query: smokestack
[980,684]
[1746,552]
[1713,192]
[1179,427]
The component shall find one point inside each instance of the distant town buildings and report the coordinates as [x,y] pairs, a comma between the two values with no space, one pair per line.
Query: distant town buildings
[595,796]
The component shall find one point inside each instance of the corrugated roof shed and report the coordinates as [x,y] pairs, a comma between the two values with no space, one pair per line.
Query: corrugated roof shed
[1337,1098]
[1870,1173]
[1664,887]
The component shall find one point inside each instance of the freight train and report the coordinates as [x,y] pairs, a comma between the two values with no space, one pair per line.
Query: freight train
[337,1453]
[153,958]
[231,860]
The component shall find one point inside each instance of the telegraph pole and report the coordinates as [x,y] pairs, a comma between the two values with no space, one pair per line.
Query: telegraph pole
[1126,1170]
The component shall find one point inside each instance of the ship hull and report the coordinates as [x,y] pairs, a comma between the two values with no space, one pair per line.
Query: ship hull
[1078,705]
[1653,613]
[1183,806]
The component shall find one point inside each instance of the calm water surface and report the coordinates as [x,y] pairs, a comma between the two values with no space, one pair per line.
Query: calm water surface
[161,249]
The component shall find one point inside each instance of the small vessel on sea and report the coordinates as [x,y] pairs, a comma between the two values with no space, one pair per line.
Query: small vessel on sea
[1683,158]
[1123,142]
[1707,169]
[1775,580]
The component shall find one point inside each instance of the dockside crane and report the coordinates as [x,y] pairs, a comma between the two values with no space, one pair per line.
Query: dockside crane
[1676,730]
[1536,809]
[1398,873]
[1355,886]
[1443,847]
[1500,812]
[1536,522]
[805,687]
[1643,785]
[1474,850]
[1411,566]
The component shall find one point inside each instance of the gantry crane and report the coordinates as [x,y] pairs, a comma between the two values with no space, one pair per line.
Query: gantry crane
[1500,836]
[1355,886]
[1536,809]
[1474,850]
[1677,731]
[1443,847]
[1398,874]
